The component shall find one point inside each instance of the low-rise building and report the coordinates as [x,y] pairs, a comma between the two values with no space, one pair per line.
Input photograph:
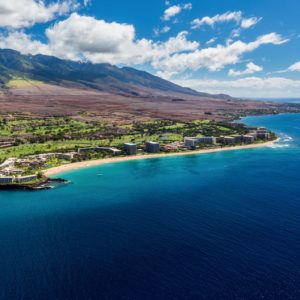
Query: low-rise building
[152,147]
[6,179]
[25,179]
[112,150]
[80,150]
[130,148]
[66,156]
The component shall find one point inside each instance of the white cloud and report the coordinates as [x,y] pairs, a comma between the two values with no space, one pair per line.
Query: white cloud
[211,41]
[247,23]
[293,68]
[272,87]
[100,41]
[251,68]
[25,13]
[23,43]
[79,35]
[174,10]
[158,32]
[86,38]
[230,16]
[214,58]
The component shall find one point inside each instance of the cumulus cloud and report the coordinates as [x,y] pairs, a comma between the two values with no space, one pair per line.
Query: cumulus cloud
[99,41]
[251,68]
[293,68]
[86,38]
[272,87]
[235,16]
[79,35]
[230,16]
[174,10]
[25,13]
[23,43]
[215,58]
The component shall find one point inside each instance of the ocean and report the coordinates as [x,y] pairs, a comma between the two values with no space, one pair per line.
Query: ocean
[216,226]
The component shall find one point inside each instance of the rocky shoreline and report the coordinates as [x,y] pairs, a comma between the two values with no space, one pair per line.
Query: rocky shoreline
[42,185]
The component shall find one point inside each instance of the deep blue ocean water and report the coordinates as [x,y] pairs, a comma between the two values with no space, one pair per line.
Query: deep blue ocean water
[215,226]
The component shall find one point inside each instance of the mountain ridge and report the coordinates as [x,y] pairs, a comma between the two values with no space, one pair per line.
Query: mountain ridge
[102,77]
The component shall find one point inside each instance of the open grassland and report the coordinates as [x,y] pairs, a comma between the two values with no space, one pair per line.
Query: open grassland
[19,82]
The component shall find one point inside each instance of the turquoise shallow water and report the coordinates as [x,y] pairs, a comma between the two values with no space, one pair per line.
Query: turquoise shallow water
[216,226]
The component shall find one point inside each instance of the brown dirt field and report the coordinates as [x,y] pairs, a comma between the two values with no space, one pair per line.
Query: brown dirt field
[56,100]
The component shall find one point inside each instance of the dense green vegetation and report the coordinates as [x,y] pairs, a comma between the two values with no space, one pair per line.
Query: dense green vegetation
[57,134]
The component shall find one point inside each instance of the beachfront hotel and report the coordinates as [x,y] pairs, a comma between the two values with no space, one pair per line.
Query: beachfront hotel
[152,147]
[20,179]
[207,140]
[190,142]
[6,179]
[130,148]
[248,139]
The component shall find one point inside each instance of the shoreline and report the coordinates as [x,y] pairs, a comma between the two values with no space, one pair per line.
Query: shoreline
[98,162]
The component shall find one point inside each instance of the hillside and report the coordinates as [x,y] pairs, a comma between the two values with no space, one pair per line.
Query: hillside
[45,85]
[102,77]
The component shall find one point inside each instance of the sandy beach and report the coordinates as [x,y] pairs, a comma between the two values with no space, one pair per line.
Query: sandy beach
[91,163]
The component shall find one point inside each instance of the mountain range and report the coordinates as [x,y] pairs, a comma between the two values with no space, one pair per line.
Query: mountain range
[101,77]
[46,85]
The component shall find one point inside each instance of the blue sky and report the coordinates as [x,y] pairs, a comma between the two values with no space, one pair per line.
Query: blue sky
[243,48]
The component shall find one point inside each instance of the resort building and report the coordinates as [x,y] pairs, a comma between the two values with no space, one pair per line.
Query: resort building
[21,179]
[152,147]
[130,148]
[253,133]
[263,135]
[238,139]
[66,156]
[112,150]
[191,142]
[208,140]
[248,139]
[6,179]
[80,150]
[25,179]
[229,140]
[220,139]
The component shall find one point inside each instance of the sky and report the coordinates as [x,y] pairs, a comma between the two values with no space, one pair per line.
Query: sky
[238,47]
